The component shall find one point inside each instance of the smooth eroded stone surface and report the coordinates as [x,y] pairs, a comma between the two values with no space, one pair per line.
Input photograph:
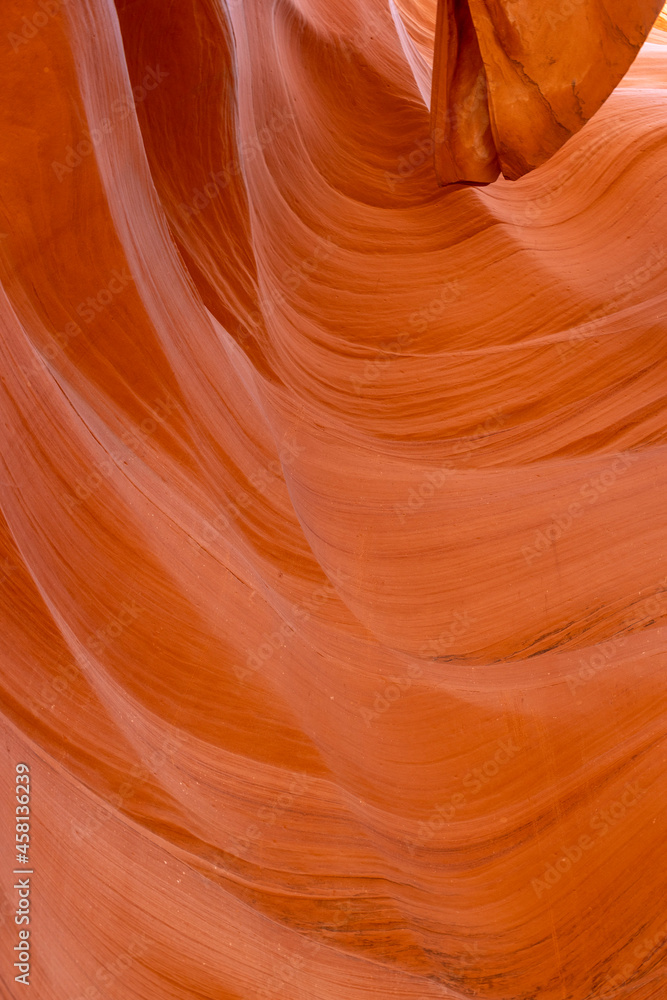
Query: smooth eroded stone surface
[332,539]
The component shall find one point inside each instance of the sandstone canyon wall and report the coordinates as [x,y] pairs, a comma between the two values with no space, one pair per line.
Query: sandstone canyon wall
[334,617]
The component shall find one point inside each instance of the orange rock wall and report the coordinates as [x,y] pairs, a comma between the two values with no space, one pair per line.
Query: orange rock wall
[332,547]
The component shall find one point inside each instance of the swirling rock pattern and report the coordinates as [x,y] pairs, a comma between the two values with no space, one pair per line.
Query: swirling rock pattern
[333,569]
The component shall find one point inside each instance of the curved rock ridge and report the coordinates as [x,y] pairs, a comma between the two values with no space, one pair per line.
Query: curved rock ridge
[334,618]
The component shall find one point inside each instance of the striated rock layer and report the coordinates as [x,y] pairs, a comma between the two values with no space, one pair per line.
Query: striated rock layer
[334,613]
